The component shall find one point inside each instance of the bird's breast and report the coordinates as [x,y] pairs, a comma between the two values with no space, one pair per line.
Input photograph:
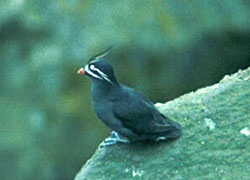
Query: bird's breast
[102,107]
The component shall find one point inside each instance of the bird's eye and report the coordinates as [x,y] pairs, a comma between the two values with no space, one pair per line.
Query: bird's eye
[92,67]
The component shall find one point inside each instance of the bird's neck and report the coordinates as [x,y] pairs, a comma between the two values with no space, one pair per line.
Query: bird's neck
[104,89]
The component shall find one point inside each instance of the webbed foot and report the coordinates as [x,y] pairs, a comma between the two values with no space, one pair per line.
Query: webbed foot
[113,139]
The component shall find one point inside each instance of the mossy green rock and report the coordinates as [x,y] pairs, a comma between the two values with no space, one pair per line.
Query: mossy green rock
[215,143]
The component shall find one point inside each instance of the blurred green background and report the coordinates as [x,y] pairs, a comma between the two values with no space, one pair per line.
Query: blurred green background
[162,48]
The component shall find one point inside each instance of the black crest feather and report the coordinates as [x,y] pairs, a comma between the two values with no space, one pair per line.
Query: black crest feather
[101,55]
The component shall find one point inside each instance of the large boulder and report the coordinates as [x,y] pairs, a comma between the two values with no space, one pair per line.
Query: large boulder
[214,145]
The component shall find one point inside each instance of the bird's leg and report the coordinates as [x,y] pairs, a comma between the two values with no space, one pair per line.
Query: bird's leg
[119,137]
[114,138]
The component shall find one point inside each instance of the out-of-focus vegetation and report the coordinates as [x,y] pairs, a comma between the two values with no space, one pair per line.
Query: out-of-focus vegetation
[162,48]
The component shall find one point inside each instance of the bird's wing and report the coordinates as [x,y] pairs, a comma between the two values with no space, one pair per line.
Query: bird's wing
[140,115]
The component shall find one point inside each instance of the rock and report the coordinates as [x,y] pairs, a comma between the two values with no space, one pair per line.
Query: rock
[214,145]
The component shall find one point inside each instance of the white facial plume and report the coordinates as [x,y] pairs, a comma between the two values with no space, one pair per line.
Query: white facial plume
[90,69]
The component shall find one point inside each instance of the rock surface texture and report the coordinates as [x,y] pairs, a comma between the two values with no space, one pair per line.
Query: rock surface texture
[215,143]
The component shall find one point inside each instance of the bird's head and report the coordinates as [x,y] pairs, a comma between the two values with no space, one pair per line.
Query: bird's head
[98,68]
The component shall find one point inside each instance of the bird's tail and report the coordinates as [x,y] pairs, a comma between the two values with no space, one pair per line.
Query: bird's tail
[175,131]
[172,130]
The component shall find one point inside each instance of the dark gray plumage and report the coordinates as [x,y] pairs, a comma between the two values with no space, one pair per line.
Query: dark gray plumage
[131,115]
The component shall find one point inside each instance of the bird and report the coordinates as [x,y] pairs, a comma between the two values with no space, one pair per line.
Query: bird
[131,116]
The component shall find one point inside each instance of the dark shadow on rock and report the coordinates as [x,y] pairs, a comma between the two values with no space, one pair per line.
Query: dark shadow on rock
[142,146]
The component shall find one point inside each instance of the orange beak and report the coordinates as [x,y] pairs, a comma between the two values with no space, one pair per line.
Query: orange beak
[81,71]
